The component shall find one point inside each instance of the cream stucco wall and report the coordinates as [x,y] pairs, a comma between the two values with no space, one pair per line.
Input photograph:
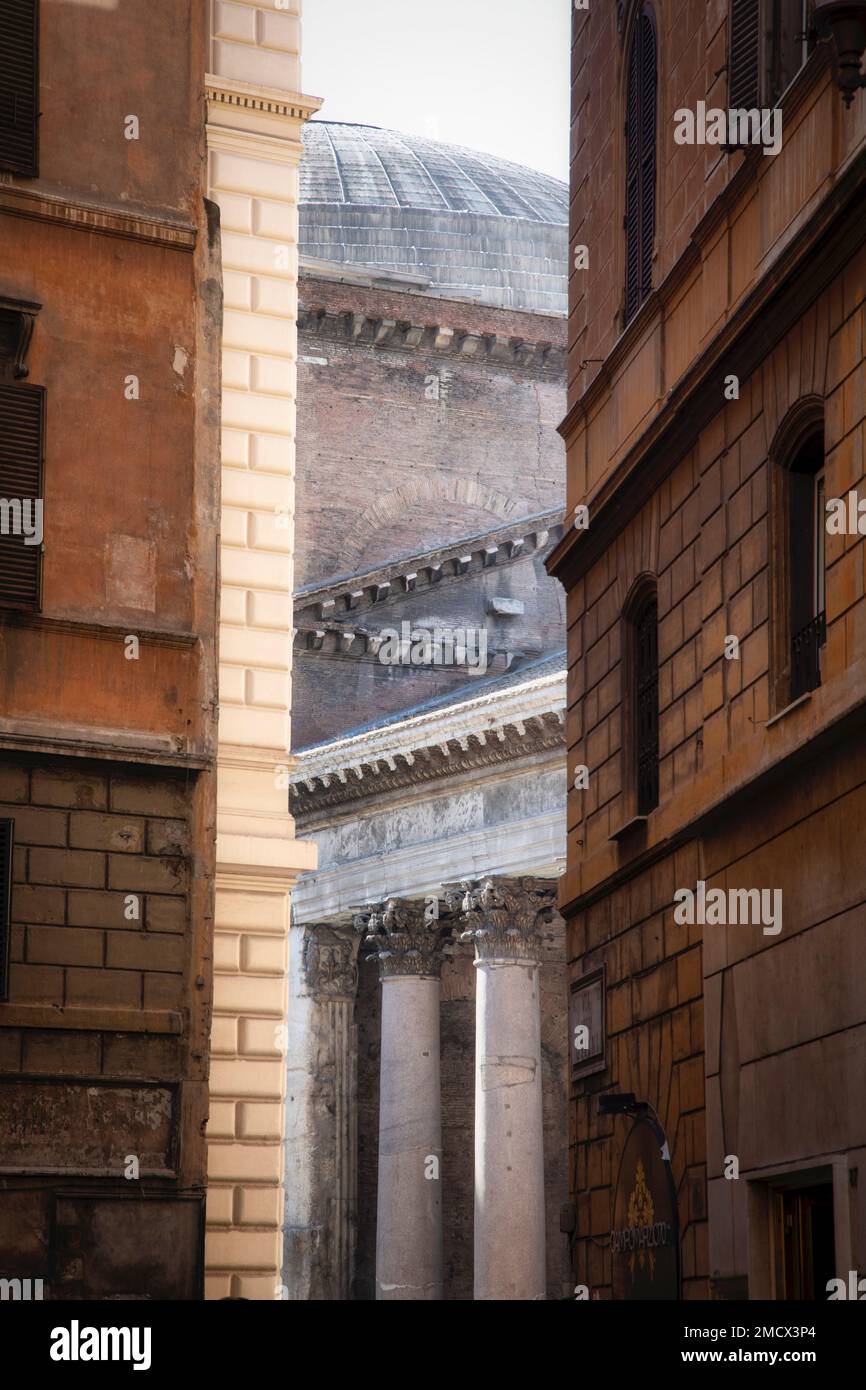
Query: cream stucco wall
[255,115]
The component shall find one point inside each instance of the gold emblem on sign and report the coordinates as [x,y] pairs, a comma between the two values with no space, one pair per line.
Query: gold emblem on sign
[640,1215]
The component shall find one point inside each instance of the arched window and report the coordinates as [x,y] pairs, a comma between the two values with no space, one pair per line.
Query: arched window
[646,702]
[640,146]
[807,535]
[799,535]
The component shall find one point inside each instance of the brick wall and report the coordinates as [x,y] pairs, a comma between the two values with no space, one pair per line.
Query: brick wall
[101,1054]
[335,692]
[707,535]
[369,439]
[87,845]
[655,1048]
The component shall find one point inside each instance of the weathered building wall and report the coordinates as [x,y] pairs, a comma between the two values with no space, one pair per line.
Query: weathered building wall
[412,439]
[255,114]
[339,690]
[655,1049]
[786,1014]
[758,286]
[403,450]
[107,713]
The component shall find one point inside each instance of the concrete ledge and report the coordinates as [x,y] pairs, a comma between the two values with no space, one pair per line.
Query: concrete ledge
[91,1020]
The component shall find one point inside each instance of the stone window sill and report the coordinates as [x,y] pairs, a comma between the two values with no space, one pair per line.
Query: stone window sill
[795,704]
[628,827]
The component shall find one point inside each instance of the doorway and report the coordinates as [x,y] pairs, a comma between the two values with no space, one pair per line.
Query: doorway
[803,1240]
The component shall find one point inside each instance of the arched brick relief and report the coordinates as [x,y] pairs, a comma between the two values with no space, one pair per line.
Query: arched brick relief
[637,551]
[797,369]
[418,495]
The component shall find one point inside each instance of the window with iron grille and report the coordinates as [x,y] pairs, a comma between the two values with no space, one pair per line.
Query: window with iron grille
[19,87]
[806,565]
[646,667]
[640,146]
[22,437]
[7,828]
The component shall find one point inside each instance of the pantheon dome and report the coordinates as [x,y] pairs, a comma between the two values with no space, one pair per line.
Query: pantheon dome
[449,221]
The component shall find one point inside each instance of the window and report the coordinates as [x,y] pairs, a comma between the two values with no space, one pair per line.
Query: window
[640,144]
[6,845]
[806,550]
[22,433]
[769,41]
[19,86]
[646,670]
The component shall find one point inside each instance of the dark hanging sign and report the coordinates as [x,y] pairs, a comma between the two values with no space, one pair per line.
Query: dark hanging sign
[645,1240]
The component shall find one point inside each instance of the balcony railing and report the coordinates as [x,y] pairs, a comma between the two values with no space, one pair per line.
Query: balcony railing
[805,656]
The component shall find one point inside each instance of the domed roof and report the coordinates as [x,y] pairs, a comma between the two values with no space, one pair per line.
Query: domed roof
[472,225]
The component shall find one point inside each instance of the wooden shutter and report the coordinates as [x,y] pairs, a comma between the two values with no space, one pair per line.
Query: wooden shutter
[6,844]
[647,696]
[22,435]
[805,671]
[640,139]
[19,86]
[648,154]
[744,56]
[632,192]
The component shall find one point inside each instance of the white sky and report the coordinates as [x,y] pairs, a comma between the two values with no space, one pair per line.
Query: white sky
[489,74]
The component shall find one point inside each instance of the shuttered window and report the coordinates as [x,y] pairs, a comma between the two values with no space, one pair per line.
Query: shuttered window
[744,56]
[807,520]
[19,86]
[6,843]
[22,437]
[640,141]
[647,706]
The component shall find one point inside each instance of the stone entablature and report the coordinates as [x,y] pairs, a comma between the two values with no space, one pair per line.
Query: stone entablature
[521,720]
[497,548]
[359,644]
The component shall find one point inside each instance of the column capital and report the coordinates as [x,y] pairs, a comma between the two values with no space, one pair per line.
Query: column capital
[502,916]
[406,936]
[331,960]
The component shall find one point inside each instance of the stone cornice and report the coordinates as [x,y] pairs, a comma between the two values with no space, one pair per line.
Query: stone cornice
[501,726]
[46,738]
[40,206]
[503,546]
[543,358]
[359,644]
[248,99]
[779,299]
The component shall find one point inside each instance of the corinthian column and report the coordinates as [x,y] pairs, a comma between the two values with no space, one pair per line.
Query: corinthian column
[321,1114]
[407,939]
[502,917]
